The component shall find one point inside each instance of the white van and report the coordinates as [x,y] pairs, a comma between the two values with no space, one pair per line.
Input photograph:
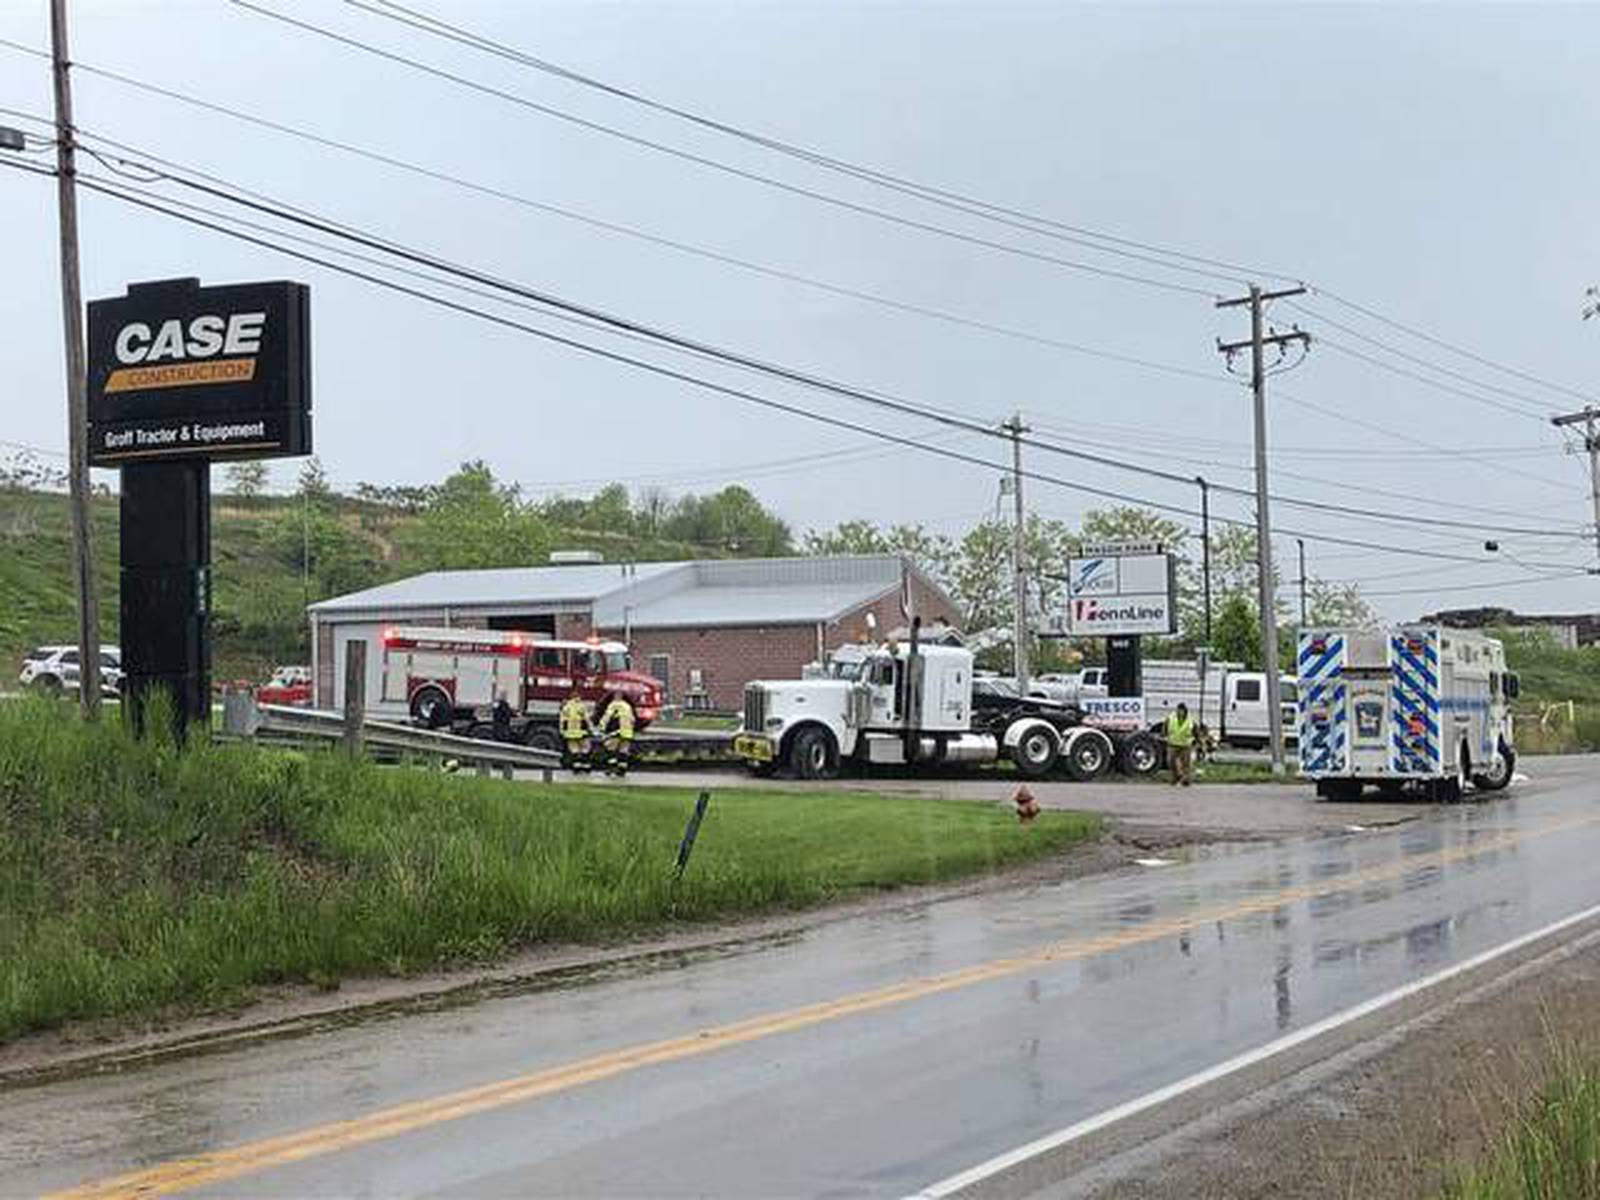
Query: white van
[1228,700]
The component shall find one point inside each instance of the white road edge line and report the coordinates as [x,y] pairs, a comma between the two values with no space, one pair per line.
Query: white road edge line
[1061,1137]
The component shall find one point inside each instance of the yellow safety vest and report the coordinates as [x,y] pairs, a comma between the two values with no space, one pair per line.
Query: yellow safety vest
[574,721]
[621,712]
[1180,730]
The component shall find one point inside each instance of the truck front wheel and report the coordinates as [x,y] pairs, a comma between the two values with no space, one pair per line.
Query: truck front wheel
[811,754]
[1499,778]
[430,708]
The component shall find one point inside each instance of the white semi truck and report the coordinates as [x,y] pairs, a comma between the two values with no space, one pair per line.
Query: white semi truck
[907,703]
[1412,707]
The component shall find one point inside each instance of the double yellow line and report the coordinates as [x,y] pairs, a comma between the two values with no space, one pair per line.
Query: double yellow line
[185,1174]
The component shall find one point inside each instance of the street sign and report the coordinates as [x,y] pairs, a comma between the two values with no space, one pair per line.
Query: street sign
[178,376]
[1119,595]
[178,371]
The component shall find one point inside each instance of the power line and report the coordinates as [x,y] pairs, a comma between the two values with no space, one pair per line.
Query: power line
[1394,434]
[116,192]
[1434,340]
[1531,406]
[1486,585]
[727,168]
[971,205]
[643,235]
[786,374]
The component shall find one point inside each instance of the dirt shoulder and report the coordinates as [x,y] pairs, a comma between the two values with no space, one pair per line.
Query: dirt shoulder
[1388,1125]
[291,1011]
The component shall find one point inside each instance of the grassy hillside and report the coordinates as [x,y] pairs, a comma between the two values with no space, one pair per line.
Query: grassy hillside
[135,875]
[257,550]
[1551,677]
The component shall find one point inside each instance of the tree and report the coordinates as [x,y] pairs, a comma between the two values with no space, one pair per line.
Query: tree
[313,486]
[931,553]
[731,520]
[1236,636]
[609,510]
[247,479]
[474,521]
[652,506]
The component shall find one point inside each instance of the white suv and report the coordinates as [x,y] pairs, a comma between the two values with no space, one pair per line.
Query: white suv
[55,668]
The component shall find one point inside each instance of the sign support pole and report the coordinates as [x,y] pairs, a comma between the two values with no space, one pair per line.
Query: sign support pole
[77,374]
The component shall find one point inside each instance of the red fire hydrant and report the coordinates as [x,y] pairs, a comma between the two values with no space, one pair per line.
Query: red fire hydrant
[1027,806]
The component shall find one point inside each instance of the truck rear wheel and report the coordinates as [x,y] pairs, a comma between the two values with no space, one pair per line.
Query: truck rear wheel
[811,754]
[1141,756]
[1089,756]
[1035,752]
[542,737]
[1341,790]
[430,708]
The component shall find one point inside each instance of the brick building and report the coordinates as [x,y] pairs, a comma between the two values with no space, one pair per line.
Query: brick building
[703,628]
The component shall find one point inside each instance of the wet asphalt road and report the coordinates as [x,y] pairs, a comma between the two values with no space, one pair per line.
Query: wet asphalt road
[869,1056]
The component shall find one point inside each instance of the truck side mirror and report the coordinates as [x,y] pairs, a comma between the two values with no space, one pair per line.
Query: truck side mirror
[1513,686]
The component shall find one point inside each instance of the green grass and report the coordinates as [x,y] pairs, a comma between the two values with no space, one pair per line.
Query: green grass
[1552,1149]
[1552,676]
[700,722]
[138,877]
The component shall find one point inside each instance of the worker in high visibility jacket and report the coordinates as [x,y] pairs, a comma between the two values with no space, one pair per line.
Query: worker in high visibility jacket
[616,728]
[576,731]
[1180,733]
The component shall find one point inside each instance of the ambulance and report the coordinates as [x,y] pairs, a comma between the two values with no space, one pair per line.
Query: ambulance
[1412,708]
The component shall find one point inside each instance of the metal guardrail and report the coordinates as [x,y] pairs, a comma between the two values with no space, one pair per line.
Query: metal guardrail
[243,717]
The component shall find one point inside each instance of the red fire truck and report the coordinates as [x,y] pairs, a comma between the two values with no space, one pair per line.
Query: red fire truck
[446,677]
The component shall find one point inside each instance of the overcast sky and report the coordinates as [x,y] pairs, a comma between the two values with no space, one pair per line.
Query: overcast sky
[1435,164]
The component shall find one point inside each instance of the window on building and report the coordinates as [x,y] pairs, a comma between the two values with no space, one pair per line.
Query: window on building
[661,669]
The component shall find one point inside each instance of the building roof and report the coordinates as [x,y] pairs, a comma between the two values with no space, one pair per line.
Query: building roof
[763,591]
[498,588]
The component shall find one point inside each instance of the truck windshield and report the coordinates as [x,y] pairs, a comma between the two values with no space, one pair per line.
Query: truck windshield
[845,670]
[617,660]
[1288,692]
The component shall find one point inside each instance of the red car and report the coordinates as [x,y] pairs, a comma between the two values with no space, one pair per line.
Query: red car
[288,685]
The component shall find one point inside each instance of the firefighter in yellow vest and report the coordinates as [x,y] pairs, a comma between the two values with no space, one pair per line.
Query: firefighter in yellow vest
[616,728]
[576,731]
[1180,732]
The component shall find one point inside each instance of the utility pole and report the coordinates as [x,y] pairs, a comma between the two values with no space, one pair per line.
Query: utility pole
[1205,547]
[1257,343]
[1301,543]
[1019,566]
[1589,418]
[77,373]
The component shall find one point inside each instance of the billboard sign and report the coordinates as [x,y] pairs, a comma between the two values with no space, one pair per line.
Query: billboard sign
[1113,712]
[1112,595]
[178,371]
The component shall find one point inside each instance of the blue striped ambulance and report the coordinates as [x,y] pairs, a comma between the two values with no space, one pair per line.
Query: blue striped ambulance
[1410,708]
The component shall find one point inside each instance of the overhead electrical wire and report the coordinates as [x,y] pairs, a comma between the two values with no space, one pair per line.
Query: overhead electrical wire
[122,193]
[436,26]
[747,362]
[643,235]
[426,22]
[729,168]
[971,205]
[1526,406]
[1441,343]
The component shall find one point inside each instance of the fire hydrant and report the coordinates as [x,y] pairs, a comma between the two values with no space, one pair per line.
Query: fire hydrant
[1027,806]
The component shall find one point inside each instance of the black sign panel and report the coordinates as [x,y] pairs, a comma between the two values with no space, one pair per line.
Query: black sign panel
[178,371]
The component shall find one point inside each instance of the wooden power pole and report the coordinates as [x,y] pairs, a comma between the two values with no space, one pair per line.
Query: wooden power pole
[77,374]
[1257,344]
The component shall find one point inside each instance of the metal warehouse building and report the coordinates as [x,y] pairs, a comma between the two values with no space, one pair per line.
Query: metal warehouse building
[703,628]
